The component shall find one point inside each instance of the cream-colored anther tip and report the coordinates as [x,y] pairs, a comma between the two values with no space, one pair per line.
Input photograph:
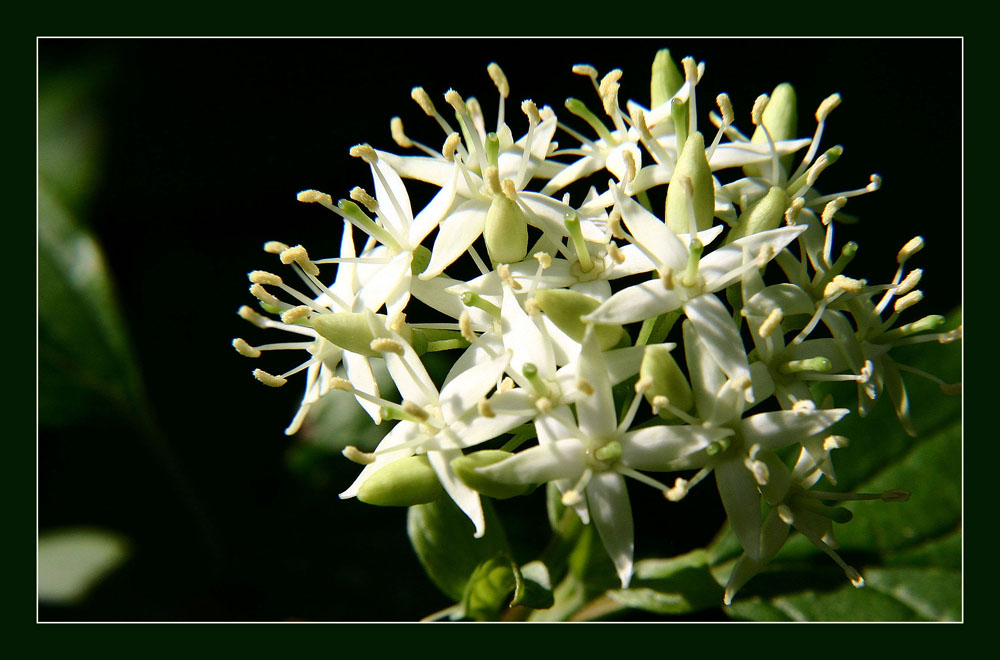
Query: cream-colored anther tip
[310,196]
[245,349]
[498,78]
[275,247]
[264,277]
[365,152]
[268,379]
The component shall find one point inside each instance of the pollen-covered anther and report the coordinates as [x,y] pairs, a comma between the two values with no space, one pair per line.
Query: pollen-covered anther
[492,177]
[361,196]
[740,383]
[615,223]
[585,70]
[423,99]
[295,314]
[414,410]
[629,166]
[532,307]
[827,106]
[914,245]
[643,385]
[299,255]
[355,455]
[543,404]
[678,491]
[451,146]
[498,78]
[509,189]
[726,108]
[248,314]
[465,327]
[907,301]
[874,183]
[544,259]
[757,113]
[506,385]
[616,255]
[792,212]
[268,379]
[275,247]
[659,403]
[245,349]
[398,135]
[759,471]
[365,152]
[772,321]
[529,108]
[909,282]
[341,384]
[571,498]
[831,209]
[842,283]
[264,277]
[786,515]
[804,407]
[263,295]
[485,409]
[385,345]
[313,196]
[585,387]
[454,99]
[832,442]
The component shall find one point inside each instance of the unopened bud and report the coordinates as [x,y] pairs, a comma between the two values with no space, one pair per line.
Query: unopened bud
[404,482]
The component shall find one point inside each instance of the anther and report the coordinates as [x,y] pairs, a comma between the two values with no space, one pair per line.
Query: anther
[485,409]
[529,108]
[831,209]
[423,99]
[907,301]
[616,255]
[759,471]
[772,321]
[571,498]
[854,576]
[245,349]
[792,212]
[585,70]
[659,403]
[786,515]
[365,152]
[361,196]
[827,106]
[804,407]
[506,385]
[492,177]
[585,387]
[248,314]
[263,295]
[909,282]
[465,327]
[532,307]
[503,270]
[832,442]
[268,379]
[740,383]
[313,196]
[295,314]
[384,345]
[643,385]
[341,384]
[355,455]
[264,277]
[678,491]
[414,410]
[451,144]
[544,259]
[914,245]
[843,283]
[615,223]
[454,99]
[667,277]
[757,114]
[543,404]
[299,255]
[726,108]
[498,78]
[509,189]
[629,166]
[398,136]
[275,247]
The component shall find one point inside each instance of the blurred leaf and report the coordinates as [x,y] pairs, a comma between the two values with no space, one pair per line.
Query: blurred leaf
[678,585]
[72,561]
[534,589]
[442,536]
[909,553]
[488,589]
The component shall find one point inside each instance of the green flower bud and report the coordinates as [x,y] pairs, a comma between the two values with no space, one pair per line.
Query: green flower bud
[564,307]
[765,214]
[781,119]
[421,258]
[506,231]
[693,165]
[404,482]
[350,331]
[465,467]
[659,367]
[665,80]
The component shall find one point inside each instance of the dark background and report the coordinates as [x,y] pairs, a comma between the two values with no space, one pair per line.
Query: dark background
[203,145]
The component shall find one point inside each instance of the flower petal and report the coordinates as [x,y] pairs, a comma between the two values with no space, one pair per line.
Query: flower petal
[659,448]
[562,459]
[635,303]
[456,233]
[773,430]
[741,500]
[611,511]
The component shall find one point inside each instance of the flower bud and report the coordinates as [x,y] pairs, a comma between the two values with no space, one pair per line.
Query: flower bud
[694,165]
[665,80]
[659,367]
[404,482]
[564,308]
[506,231]
[780,117]
[765,214]
[421,259]
[350,331]
[465,467]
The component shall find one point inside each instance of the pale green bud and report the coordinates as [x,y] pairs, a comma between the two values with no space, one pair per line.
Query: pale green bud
[564,307]
[665,80]
[465,467]
[781,119]
[694,165]
[350,331]
[666,378]
[765,214]
[404,482]
[506,231]
[421,258]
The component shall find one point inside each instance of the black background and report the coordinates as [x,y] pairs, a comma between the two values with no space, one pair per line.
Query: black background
[206,143]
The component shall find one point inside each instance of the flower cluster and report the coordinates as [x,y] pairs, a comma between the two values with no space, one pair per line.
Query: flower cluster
[562,372]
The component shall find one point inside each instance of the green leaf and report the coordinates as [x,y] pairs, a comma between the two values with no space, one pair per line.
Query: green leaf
[534,589]
[678,585]
[488,588]
[442,537]
[72,561]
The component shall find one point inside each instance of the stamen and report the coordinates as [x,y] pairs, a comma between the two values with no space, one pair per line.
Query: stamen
[465,327]
[586,70]
[585,387]
[274,247]
[361,196]
[245,349]
[531,305]
[498,78]
[341,384]
[509,190]
[544,259]
[691,78]
[414,410]
[842,283]
[365,152]
[824,110]
[772,321]
[914,245]
[423,99]
[574,495]
[506,385]
[492,178]
[485,409]
[295,314]
[299,255]
[451,145]
[804,407]
[678,491]
[759,471]
[503,271]
[313,196]
[757,113]
[909,282]
[248,314]
[355,455]
[726,107]
[616,255]
[264,295]
[398,135]
[268,379]
[543,404]
[385,345]
[907,301]
[264,277]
